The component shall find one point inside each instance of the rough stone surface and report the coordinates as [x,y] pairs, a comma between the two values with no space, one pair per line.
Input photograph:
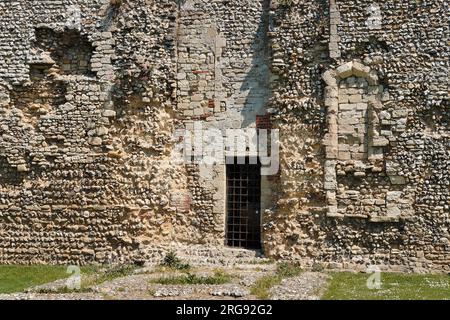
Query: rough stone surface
[92,94]
[307,286]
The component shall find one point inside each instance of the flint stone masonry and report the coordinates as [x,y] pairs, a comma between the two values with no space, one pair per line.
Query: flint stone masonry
[92,93]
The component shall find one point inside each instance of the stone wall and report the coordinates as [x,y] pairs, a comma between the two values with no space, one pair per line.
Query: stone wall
[382,66]
[93,92]
[85,121]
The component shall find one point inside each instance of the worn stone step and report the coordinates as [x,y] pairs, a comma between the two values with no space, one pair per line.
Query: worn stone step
[198,255]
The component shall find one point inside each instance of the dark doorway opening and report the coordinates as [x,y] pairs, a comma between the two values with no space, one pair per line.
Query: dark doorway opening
[244,204]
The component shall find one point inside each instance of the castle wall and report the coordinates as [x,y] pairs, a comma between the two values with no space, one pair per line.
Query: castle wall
[84,128]
[382,67]
[92,95]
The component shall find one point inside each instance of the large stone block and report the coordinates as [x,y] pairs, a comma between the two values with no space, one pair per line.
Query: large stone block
[345,70]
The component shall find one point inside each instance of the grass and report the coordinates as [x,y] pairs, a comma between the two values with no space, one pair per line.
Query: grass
[115,272]
[219,277]
[171,261]
[17,278]
[351,286]
[261,289]
[163,269]
[93,276]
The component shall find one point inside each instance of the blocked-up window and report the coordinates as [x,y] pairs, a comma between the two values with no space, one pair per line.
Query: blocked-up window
[353,119]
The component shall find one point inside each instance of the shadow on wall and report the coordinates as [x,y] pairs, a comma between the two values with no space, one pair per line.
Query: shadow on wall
[9,176]
[256,85]
[109,15]
[68,52]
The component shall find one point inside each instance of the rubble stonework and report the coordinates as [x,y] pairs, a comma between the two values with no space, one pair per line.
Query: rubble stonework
[93,92]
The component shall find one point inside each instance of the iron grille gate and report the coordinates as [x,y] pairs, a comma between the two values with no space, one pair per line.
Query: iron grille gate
[244,205]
